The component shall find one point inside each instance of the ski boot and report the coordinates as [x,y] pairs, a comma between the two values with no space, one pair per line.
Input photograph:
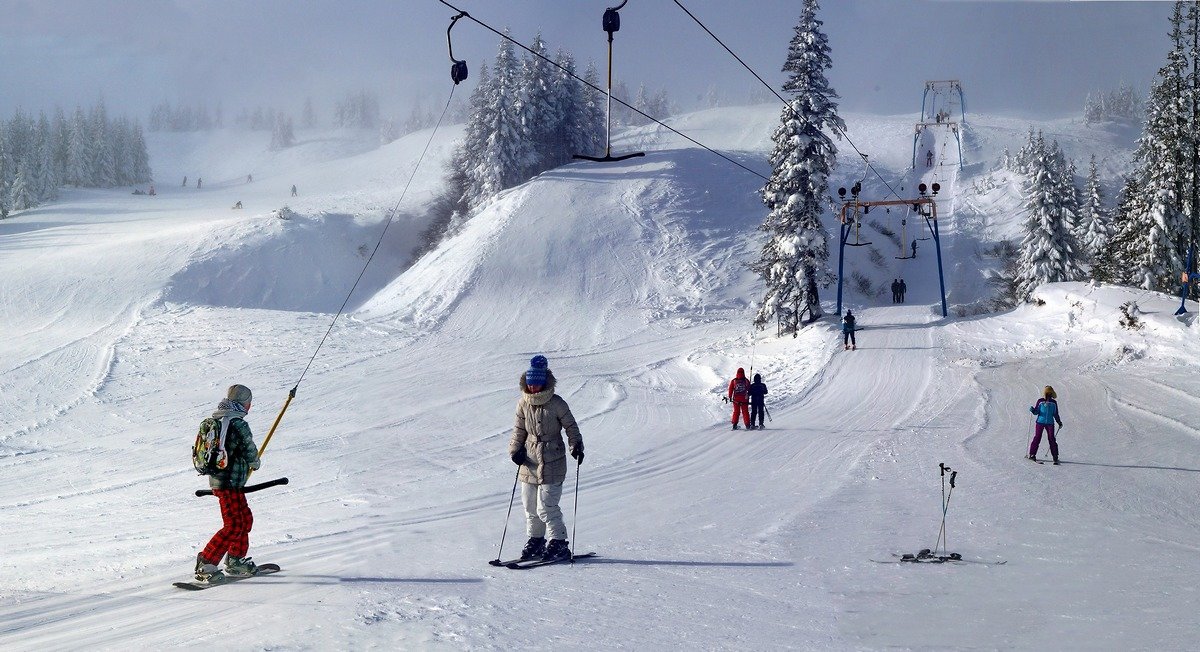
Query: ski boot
[534,548]
[240,566]
[853,347]
[1056,461]
[206,572]
[735,426]
[847,348]
[557,549]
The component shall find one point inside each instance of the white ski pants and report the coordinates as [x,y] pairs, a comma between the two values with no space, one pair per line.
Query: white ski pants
[542,512]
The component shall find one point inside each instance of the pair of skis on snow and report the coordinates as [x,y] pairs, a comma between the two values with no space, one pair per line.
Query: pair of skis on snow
[523,564]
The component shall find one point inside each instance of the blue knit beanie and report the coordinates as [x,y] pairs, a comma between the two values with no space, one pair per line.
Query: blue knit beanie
[538,367]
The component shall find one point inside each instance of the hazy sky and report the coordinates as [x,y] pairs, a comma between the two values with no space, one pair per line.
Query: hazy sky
[1038,58]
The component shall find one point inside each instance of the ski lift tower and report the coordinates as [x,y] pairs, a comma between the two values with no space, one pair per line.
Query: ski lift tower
[850,217]
[945,109]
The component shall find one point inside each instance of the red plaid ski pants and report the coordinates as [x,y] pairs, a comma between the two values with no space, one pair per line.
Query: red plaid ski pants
[234,537]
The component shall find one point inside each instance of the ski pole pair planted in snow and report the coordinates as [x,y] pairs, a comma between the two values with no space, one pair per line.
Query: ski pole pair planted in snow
[941,540]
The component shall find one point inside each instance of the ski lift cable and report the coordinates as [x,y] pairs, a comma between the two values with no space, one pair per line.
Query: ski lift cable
[601,90]
[786,103]
[390,218]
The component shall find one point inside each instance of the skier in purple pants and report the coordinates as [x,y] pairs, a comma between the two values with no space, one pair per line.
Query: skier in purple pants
[1046,410]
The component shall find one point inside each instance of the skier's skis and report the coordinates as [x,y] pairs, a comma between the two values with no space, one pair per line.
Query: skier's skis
[1034,459]
[534,563]
[263,569]
[952,558]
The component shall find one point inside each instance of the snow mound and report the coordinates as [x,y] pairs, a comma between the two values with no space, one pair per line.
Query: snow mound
[304,263]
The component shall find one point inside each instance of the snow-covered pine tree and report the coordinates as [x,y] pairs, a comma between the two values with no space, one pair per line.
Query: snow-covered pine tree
[539,112]
[79,153]
[1071,202]
[506,151]
[1048,250]
[1095,224]
[593,115]
[567,105]
[141,157]
[308,118]
[48,180]
[21,194]
[794,260]
[103,168]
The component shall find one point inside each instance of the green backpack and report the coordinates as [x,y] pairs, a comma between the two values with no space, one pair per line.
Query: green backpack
[208,453]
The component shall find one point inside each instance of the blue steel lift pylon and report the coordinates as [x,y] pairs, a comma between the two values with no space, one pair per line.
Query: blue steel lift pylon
[925,206]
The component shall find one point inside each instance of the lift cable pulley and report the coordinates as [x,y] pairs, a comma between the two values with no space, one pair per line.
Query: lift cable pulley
[458,67]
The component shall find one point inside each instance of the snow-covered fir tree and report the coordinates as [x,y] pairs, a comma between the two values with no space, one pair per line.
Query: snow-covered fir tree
[1095,224]
[22,194]
[79,153]
[591,129]
[1048,252]
[794,260]
[282,135]
[540,113]
[507,150]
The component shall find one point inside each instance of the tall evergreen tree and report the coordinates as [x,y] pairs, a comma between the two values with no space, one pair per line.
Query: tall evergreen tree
[79,153]
[1095,225]
[794,261]
[506,151]
[21,194]
[541,115]
[1048,251]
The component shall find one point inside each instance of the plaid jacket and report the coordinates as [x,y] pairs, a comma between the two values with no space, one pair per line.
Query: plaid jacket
[241,451]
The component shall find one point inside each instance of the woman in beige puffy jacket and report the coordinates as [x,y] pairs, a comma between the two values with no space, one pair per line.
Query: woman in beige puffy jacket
[537,447]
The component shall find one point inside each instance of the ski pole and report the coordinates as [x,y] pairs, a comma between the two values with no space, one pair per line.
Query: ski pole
[768,411]
[575,512]
[507,517]
[945,533]
[943,468]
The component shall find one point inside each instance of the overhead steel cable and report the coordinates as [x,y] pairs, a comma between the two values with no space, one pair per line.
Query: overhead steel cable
[786,103]
[391,216]
[601,90]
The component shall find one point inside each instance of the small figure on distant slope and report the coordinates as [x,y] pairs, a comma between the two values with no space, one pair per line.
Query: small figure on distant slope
[848,329]
[537,447]
[903,290]
[1046,410]
[739,395]
[294,190]
[758,402]
[238,205]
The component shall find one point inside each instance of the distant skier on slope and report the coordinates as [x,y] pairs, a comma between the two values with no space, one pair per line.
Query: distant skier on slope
[293,190]
[895,290]
[758,402]
[903,290]
[914,248]
[229,488]
[929,158]
[739,395]
[1046,410]
[184,181]
[537,447]
[848,331]
[199,182]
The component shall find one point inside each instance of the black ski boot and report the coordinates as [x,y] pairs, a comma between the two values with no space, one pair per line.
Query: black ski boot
[557,549]
[534,548]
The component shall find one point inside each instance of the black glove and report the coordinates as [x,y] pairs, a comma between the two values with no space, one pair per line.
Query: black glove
[518,457]
[578,455]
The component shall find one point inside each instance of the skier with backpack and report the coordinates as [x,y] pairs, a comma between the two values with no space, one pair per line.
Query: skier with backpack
[1046,410]
[739,395]
[758,402]
[848,331]
[225,451]
[537,447]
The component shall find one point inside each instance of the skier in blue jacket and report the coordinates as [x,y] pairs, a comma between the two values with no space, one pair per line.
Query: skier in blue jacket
[758,402]
[1046,410]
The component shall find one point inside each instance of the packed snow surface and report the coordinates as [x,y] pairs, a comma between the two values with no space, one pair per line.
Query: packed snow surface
[126,317]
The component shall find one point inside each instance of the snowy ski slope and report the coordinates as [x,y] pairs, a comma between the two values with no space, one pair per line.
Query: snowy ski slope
[126,316]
